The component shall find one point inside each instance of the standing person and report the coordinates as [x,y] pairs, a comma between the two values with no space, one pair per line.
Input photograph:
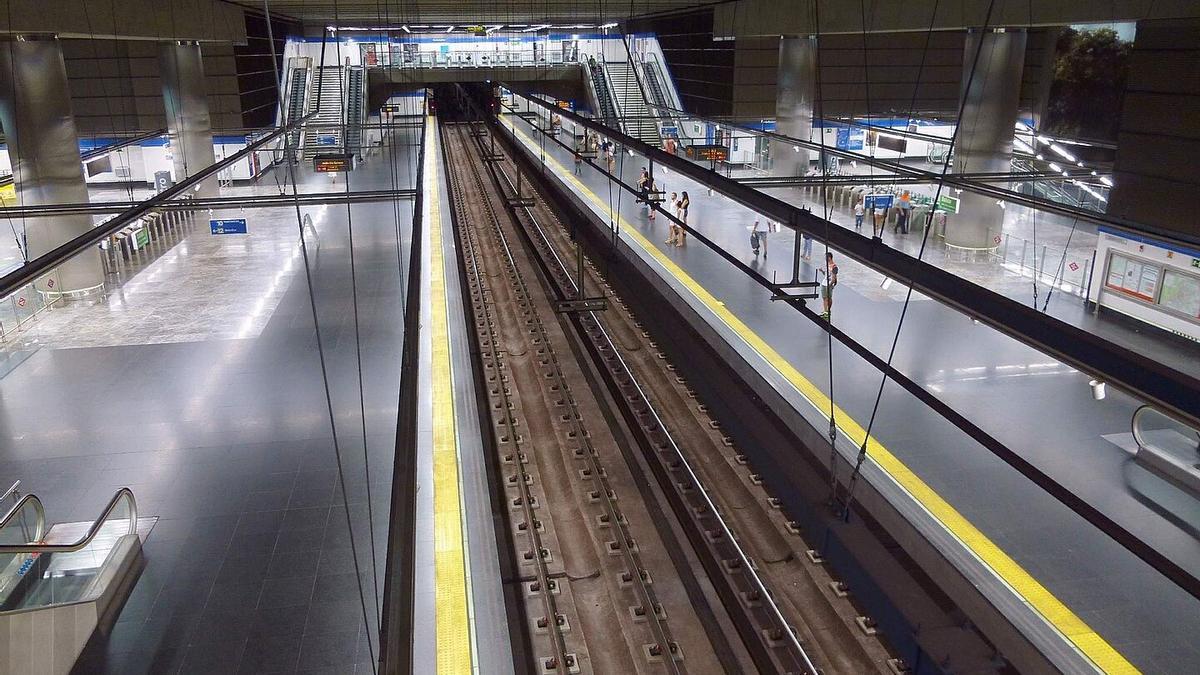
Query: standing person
[609,156]
[673,233]
[755,238]
[858,215]
[684,203]
[642,183]
[578,159]
[650,189]
[905,213]
[827,277]
[806,251]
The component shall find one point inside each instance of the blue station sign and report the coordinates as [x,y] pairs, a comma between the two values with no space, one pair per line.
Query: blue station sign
[228,226]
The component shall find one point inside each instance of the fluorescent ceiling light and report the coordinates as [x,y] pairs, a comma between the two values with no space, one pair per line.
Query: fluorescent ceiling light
[494,28]
[1093,193]
[1043,139]
[533,29]
[608,25]
[405,29]
[1062,152]
[1055,166]
[449,30]
[1106,180]
[1022,145]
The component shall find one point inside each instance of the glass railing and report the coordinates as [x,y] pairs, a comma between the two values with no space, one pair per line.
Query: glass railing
[936,431]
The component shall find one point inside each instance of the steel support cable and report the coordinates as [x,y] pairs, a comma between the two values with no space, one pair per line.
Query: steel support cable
[321,349]
[862,451]
[1127,539]
[362,403]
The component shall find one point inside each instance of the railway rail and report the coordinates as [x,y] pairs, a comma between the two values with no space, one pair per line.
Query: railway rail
[790,615]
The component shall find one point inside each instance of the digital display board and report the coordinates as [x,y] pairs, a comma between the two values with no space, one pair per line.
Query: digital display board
[333,163]
[714,153]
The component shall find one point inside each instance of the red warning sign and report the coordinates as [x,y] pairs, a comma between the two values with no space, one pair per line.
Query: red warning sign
[1074,266]
[50,283]
[996,239]
[20,302]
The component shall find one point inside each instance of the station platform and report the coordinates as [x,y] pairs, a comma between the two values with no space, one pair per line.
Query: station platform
[458,601]
[1013,539]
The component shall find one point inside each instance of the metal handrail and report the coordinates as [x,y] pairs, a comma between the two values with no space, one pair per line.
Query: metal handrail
[123,493]
[10,491]
[1136,428]
[39,531]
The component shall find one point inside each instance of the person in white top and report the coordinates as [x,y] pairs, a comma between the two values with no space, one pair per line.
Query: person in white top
[858,215]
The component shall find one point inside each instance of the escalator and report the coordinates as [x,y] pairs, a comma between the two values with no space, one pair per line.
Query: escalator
[606,109]
[355,110]
[60,585]
[297,100]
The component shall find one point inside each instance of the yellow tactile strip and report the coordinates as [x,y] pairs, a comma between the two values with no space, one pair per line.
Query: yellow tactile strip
[1052,610]
[450,575]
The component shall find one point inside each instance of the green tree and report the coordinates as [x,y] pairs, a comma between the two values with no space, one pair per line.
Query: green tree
[1089,80]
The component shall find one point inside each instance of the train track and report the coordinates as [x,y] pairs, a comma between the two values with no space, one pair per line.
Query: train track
[597,584]
[790,613]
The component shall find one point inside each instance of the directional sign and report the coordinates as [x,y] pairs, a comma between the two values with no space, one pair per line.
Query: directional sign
[880,201]
[947,203]
[228,226]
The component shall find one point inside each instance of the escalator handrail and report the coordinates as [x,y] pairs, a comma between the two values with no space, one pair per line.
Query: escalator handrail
[11,490]
[38,509]
[1136,428]
[33,547]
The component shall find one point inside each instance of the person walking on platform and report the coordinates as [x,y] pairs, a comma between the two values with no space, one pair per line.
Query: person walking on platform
[643,182]
[858,215]
[758,240]
[806,249]
[609,156]
[578,159]
[684,203]
[827,277]
[647,196]
[905,213]
[673,233]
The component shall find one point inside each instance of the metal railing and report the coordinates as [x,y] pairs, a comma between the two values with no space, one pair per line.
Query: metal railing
[122,495]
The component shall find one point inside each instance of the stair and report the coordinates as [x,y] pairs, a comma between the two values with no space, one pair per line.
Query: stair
[636,117]
[323,133]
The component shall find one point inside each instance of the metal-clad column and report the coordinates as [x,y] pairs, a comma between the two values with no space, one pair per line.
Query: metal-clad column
[985,130]
[794,94]
[188,121]
[35,109]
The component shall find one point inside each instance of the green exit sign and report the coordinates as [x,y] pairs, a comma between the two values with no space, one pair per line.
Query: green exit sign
[1195,262]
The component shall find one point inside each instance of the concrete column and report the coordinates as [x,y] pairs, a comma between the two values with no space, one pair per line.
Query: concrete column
[188,120]
[794,94]
[35,109]
[985,131]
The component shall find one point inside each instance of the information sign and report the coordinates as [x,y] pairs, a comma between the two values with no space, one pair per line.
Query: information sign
[141,237]
[333,163]
[947,204]
[228,226]
[714,152]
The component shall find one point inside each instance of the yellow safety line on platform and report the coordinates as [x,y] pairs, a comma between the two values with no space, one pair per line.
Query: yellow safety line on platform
[1053,610]
[450,575]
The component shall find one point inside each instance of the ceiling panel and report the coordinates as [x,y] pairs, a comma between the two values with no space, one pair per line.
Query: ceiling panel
[383,12]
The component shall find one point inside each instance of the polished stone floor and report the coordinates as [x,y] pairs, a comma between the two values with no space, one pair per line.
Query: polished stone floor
[199,382]
[1033,404]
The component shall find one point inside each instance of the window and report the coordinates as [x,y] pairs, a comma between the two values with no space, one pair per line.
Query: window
[1181,292]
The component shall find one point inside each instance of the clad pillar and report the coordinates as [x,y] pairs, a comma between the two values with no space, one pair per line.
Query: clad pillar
[188,120]
[794,94]
[43,145]
[984,143]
